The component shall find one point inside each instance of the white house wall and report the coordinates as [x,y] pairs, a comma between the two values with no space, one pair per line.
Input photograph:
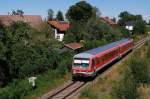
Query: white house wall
[60,35]
[129,27]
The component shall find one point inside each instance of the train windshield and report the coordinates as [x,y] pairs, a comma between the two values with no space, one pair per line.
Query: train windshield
[81,62]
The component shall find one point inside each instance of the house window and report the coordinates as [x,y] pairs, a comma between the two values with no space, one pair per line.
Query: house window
[58,37]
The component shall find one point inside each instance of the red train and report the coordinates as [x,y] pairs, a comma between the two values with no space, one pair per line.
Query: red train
[89,62]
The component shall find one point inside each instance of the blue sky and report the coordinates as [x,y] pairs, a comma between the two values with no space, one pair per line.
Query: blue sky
[107,7]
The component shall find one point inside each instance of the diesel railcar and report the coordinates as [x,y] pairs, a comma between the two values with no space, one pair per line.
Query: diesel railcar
[87,63]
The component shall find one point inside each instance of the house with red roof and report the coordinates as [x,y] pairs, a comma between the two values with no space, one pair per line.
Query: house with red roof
[33,20]
[60,28]
[108,21]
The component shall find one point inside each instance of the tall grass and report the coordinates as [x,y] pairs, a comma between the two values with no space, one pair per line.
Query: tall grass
[87,93]
[126,88]
[139,70]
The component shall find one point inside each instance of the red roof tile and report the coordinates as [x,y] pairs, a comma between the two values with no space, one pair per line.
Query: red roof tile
[62,26]
[74,46]
[33,20]
[107,20]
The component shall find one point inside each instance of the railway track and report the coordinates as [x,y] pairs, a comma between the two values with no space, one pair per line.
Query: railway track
[65,91]
[141,42]
[70,89]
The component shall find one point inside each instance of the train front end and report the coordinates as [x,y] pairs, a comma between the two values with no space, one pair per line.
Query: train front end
[81,66]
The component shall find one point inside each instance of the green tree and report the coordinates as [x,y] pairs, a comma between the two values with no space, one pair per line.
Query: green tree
[75,32]
[94,29]
[4,72]
[139,23]
[60,16]
[50,14]
[149,22]
[47,30]
[18,12]
[114,19]
[4,69]
[2,29]
[34,59]
[139,27]
[96,12]
[80,12]
[17,31]
[84,20]
[125,17]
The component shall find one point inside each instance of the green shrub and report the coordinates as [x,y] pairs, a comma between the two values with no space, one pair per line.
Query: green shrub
[94,43]
[126,88]
[139,70]
[15,90]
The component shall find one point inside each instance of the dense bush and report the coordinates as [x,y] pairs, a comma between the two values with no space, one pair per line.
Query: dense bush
[126,88]
[4,75]
[93,44]
[15,90]
[29,60]
[22,56]
[139,70]
[20,88]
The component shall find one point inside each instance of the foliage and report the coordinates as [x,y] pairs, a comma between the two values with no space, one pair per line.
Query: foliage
[147,29]
[4,73]
[75,32]
[126,88]
[139,27]
[139,70]
[60,16]
[93,44]
[125,17]
[20,57]
[47,30]
[17,12]
[125,32]
[16,32]
[139,23]
[80,12]
[34,59]
[114,19]
[149,22]
[94,29]
[91,29]
[50,14]
[20,88]
[1,30]
[2,50]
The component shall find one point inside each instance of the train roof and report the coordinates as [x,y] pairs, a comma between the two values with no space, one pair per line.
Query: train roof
[92,52]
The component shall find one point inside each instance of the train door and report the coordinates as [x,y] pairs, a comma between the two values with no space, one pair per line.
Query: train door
[94,65]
